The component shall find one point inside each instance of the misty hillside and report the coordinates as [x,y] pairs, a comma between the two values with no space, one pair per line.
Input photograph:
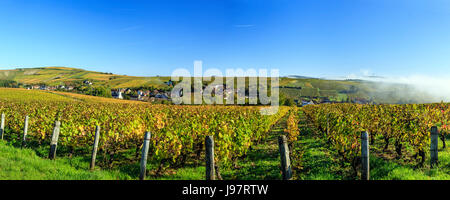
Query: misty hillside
[297,88]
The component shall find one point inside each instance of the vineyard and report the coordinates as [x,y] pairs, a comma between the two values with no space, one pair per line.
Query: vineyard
[403,128]
[323,137]
[178,132]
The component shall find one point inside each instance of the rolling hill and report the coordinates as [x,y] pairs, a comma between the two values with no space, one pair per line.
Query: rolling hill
[53,76]
[293,87]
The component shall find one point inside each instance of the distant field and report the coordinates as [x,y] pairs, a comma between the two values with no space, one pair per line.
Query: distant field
[54,76]
[24,95]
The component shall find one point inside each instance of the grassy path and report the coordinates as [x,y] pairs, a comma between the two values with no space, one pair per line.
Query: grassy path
[263,161]
[317,161]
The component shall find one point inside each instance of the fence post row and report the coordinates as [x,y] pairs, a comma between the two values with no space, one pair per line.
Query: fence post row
[144,155]
[365,168]
[285,160]
[25,132]
[2,126]
[95,147]
[54,142]
[434,147]
[209,147]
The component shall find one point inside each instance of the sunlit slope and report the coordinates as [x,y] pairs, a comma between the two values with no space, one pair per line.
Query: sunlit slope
[59,75]
[24,95]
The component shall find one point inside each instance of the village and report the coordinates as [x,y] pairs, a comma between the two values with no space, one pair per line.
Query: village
[156,95]
[149,95]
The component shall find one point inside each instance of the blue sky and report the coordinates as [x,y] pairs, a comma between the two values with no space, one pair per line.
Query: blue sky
[320,38]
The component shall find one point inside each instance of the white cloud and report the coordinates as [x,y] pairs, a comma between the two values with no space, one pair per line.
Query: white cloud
[244,25]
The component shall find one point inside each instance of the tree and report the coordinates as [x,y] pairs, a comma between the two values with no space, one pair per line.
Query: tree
[9,83]
[284,100]
[101,92]
[289,102]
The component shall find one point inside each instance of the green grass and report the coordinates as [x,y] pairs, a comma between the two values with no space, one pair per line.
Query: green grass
[386,170]
[24,164]
[186,173]
[319,163]
[262,161]
[382,169]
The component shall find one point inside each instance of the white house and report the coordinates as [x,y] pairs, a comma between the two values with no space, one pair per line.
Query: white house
[117,94]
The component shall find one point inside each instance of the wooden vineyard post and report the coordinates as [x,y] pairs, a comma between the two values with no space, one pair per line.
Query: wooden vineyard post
[25,132]
[95,147]
[144,155]
[54,142]
[365,168]
[209,147]
[2,126]
[285,160]
[434,147]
